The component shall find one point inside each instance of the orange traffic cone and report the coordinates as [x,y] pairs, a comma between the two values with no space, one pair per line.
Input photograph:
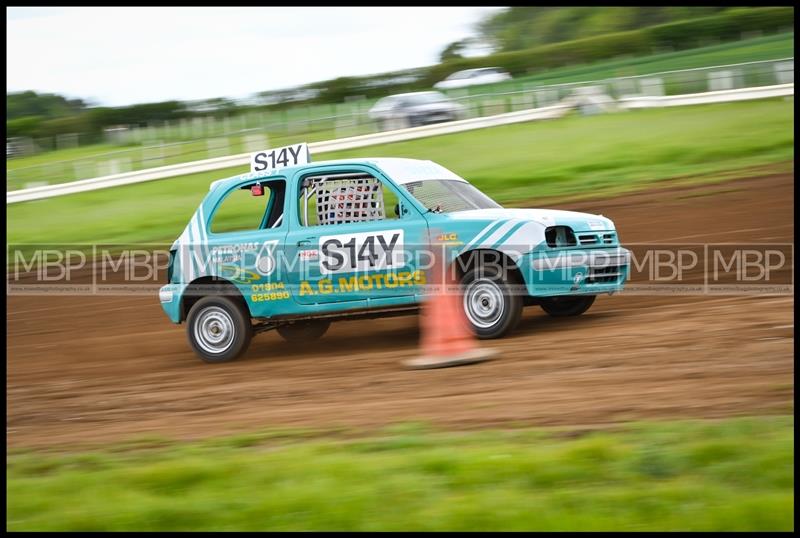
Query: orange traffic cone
[446,339]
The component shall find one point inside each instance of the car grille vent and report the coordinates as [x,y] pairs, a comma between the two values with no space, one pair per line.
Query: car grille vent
[600,275]
[597,239]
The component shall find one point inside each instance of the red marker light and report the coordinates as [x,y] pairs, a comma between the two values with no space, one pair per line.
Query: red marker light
[257,190]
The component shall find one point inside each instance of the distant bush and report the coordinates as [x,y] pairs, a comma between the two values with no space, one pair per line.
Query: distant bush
[549,56]
[27,126]
[726,26]
[524,27]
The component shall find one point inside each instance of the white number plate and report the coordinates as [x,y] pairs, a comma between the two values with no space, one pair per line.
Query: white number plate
[361,252]
[279,158]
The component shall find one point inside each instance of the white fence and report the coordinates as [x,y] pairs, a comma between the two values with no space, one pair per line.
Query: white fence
[720,96]
[49,191]
[550,112]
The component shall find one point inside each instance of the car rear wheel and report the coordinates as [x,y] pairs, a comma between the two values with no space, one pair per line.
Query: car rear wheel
[219,329]
[567,306]
[492,309]
[304,331]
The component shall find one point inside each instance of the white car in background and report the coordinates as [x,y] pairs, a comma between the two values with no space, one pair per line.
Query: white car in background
[473,77]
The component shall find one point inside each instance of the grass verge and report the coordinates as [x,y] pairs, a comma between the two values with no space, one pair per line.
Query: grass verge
[733,474]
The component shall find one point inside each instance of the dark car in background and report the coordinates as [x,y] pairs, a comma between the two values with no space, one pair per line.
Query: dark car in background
[415,109]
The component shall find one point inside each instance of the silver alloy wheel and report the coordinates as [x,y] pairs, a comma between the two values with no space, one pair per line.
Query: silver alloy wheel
[213,330]
[484,303]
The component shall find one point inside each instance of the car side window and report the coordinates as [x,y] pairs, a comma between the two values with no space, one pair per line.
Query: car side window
[343,198]
[242,210]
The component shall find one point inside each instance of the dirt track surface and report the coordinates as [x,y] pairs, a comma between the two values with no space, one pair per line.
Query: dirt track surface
[93,370]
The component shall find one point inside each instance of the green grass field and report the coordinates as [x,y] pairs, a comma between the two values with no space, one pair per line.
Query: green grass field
[532,162]
[734,475]
[59,166]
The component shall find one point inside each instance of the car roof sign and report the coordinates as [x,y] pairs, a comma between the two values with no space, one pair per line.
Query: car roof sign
[273,159]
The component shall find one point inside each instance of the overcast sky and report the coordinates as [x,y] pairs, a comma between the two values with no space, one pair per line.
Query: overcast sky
[120,56]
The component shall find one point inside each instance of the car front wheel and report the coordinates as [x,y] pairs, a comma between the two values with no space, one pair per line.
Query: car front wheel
[219,330]
[491,307]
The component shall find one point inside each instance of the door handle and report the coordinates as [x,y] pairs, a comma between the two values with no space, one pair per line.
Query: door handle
[305,242]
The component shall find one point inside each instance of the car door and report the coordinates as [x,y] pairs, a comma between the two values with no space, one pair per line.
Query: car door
[354,239]
[246,232]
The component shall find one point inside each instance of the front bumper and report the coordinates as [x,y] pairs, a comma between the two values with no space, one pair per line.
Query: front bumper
[575,271]
[170,297]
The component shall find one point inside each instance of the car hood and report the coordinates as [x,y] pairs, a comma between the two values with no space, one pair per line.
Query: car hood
[516,232]
[579,222]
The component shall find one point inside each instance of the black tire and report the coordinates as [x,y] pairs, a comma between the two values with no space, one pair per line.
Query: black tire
[491,308]
[305,330]
[223,315]
[562,306]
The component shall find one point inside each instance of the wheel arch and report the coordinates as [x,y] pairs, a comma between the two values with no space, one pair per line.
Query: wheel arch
[472,258]
[206,286]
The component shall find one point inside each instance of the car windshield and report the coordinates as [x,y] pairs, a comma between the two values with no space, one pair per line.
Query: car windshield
[386,102]
[458,75]
[422,98]
[449,195]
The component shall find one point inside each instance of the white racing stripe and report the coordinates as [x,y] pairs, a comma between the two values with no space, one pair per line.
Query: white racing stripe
[479,235]
[500,232]
[201,223]
[523,240]
[187,255]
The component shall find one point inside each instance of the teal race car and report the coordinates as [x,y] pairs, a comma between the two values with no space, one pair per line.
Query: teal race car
[294,245]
